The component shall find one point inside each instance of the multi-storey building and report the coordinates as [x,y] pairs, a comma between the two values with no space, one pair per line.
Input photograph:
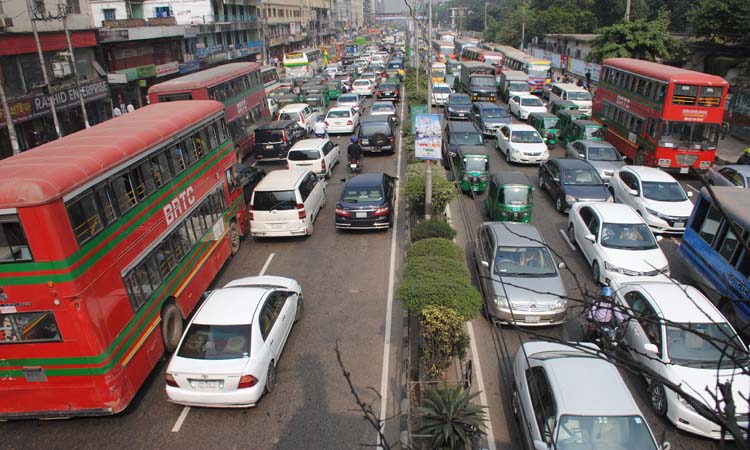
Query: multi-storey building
[294,24]
[28,96]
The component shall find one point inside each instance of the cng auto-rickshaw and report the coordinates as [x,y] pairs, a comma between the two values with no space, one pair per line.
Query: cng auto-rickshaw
[510,197]
[472,168]
[548,126]
[334,89]
[567,116]
[584,129]
[556,105]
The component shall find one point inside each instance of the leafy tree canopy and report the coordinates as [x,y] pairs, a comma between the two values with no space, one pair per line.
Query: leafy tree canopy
[725,19]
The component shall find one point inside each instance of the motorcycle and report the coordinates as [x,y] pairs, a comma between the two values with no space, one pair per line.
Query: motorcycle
[607,335]
[355,165]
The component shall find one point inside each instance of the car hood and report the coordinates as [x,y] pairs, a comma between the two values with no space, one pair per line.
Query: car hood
[613,166]
[596,192]
[527,289]
[526,148]
[676,209]
[637,260]
[697,380]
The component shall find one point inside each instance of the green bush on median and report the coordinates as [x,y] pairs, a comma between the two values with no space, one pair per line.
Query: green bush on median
[436,247]
[434,228]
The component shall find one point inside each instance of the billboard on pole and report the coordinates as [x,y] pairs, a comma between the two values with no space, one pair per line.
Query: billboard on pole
[428,137]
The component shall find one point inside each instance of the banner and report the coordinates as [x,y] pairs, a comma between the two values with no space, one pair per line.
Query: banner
[427,136]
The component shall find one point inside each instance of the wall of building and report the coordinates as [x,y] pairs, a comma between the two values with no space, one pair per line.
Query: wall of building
[79,19]
[97,11]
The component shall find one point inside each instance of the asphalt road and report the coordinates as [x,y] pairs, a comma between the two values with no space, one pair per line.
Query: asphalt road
[345,279]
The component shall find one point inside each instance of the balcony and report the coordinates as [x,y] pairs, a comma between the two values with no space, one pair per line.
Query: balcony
[213,23]
[139,29]
[135,23]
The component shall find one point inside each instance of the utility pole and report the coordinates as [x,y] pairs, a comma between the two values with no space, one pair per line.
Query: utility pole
[64,13]
[428,172]
[627,11]
[47,90]
[8,119]
[485,18]
[523,23]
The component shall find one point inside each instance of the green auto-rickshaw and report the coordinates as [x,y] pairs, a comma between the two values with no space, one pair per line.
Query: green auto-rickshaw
[548,125]
[584,129]
[310,89]
[556,105]
[287,99]
[472,168]
[510,197]
[334,89]
[567,116]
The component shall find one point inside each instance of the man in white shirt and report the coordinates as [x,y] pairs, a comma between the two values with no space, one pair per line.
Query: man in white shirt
[319,129]
[116,111]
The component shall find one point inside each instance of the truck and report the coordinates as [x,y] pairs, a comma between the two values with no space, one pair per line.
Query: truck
[478,80]
[513,82]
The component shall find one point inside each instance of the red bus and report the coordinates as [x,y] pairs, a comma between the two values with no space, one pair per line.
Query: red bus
[660,115]
[237,85]
[109,237]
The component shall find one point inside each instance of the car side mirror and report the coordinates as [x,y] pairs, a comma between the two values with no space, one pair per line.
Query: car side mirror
[659,238]
[690,194]
[650,348]
[590,237]
[485,264]
[581,155]
[561,265]
[633,192]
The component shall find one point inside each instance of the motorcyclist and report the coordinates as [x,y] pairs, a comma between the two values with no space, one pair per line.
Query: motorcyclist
[745,157]
[603,312]
[354,151]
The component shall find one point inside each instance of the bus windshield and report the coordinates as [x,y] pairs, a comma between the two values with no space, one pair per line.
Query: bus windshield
[694,136]
[538,71]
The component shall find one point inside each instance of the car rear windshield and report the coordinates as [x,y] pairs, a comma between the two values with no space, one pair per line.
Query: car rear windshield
[362,83]
[304,155]
[216,342]
[274,200]
[340,114]
[383,108]
[494,113]
[361,194]
[269,136]
[349,99]
[369,129]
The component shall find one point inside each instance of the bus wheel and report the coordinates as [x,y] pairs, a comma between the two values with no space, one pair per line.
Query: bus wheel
[234,237]
[640,157]
[171,327]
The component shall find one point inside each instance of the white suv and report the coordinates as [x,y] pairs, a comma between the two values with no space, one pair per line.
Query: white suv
[318,155]
[286,203]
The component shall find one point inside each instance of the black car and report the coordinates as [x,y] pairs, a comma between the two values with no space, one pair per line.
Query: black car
[273,140]
[489,117]
[457,134]
[458,107]
[248,177]
[377,134]
[367,202]
[572,180]
[388,91]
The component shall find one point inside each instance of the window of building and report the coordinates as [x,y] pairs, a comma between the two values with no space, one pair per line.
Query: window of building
[74,7]
[109,14]
[162,11]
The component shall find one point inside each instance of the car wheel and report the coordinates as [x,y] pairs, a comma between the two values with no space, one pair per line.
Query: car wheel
[541,182]
[658,398]
[234,238]
[596,272]
[300,309]
[271,378]
[560,204]
[515,403]
[572,234]
[507,157]
[309,231]
[172,327]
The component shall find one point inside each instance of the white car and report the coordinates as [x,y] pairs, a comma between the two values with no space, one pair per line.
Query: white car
[672,333]
[615,241]
[523,105]
[655,195]
[228,354]
[352,100]
[521,143]
[318,155]
[363,86]
[372,76]
[384,108]
[440,93]
[342,119]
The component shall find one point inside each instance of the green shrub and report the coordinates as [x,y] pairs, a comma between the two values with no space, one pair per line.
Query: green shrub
[443,338]
[435,267]
[443,191]
[434,228]
[437,248]
[440,288]
[451,419]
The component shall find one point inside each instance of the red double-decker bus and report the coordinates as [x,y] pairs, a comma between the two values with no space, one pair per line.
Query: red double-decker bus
[238,86]
[660,115]
[108,239]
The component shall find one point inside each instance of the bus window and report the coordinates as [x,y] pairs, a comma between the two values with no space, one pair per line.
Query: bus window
[29,326]
[143,179]
[13,244]
[159,166]
[199,146]
[84,217]
[122,187]
[729,246]
[106,204]
[744,266]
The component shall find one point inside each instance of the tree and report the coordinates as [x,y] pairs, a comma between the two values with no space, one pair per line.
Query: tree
[565,18]
[640,39]
[726,20]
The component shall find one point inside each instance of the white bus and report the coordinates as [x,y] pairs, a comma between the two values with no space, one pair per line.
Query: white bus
[303,63]
[270,77]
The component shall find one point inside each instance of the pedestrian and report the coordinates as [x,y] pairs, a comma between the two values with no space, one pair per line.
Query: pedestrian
[745,157]
[116,111]
[579,83]
[130,107]
[588,78]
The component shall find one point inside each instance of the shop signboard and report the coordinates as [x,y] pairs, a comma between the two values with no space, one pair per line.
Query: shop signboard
[147,71]
[190,66]
[167,69]
[117,78]
[38,106]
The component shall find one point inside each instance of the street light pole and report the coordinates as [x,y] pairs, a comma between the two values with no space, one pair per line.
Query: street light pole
[523,23]
[428,172]
[627,11]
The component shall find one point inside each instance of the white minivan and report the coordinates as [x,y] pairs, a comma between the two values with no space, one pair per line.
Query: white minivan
[573,93]
[286,203]
[301,112]
[318,155]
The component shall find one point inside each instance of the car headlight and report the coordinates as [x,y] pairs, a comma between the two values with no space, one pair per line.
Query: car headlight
[613,268]
[501,302]
[560,303]
[685,403]
[654,213]
[570,198]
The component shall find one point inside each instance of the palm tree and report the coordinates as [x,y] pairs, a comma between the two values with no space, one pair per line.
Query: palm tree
[450,417]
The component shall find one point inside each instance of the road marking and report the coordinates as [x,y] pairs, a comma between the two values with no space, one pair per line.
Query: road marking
[480,386]
[186,410]
[389,305]
[565,236]
[691,187]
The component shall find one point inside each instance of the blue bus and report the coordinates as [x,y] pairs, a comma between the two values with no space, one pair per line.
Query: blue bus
[718,262]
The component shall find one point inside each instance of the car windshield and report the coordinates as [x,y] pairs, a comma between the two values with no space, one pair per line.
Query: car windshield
[604,154]
[476,164]
[483,81]
[515,195]
[460,100]
[531,101]
[551,123]
[216,342]
[579,96]
[441,89]
[628,236]
[303,155]
[603,432]
[703,344]
[518,87]
[581,177]
[274,200]
[383,108]
[338,114]
[523,261]
[269,136]
[526,137]
[494,113]
[369,129]
[663,191]
[595,132]
[360,194]
[349,99]
[467,138]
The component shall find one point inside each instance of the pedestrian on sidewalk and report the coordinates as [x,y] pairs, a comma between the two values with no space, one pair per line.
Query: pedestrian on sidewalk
[745,157]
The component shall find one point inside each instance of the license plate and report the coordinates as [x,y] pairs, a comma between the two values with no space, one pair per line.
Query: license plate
[679,224]
[531,319]
[206,384]
[684,169]
[365,141]
[269,147]
[361,215]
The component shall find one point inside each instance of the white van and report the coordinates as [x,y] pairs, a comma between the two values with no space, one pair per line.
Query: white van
[318,155]
[573,93]
[301,112]
[273,106]
[286,203]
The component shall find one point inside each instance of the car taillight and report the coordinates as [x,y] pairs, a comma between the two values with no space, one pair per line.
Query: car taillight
[283,134]
[342,212]
[396,93]
[286,163]
[323,165]
[301,213]
[349,122]
[251,213]
[379,93]
[247,381]
[393,139]
[381,211]
[170,380]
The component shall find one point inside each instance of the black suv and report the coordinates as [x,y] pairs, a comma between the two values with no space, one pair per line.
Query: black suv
[273,140]
[367,202]
[457,134]
[377,134]
[458,107]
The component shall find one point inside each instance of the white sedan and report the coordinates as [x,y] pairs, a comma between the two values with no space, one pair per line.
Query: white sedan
[677,333]
[228,354]
[521,143]
[615,241]
[342,119]
[364,87]
[523,105]
[351,100]
[655,195]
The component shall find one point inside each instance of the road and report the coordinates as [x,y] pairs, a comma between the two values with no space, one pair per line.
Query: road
[345,279]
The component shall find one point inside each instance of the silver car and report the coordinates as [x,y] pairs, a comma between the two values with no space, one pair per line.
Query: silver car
[520,281]
[384,108]
[601,154]
[734,175]
[569,398]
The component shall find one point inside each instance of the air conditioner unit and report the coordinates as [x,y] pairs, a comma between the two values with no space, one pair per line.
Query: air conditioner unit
[61,69]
